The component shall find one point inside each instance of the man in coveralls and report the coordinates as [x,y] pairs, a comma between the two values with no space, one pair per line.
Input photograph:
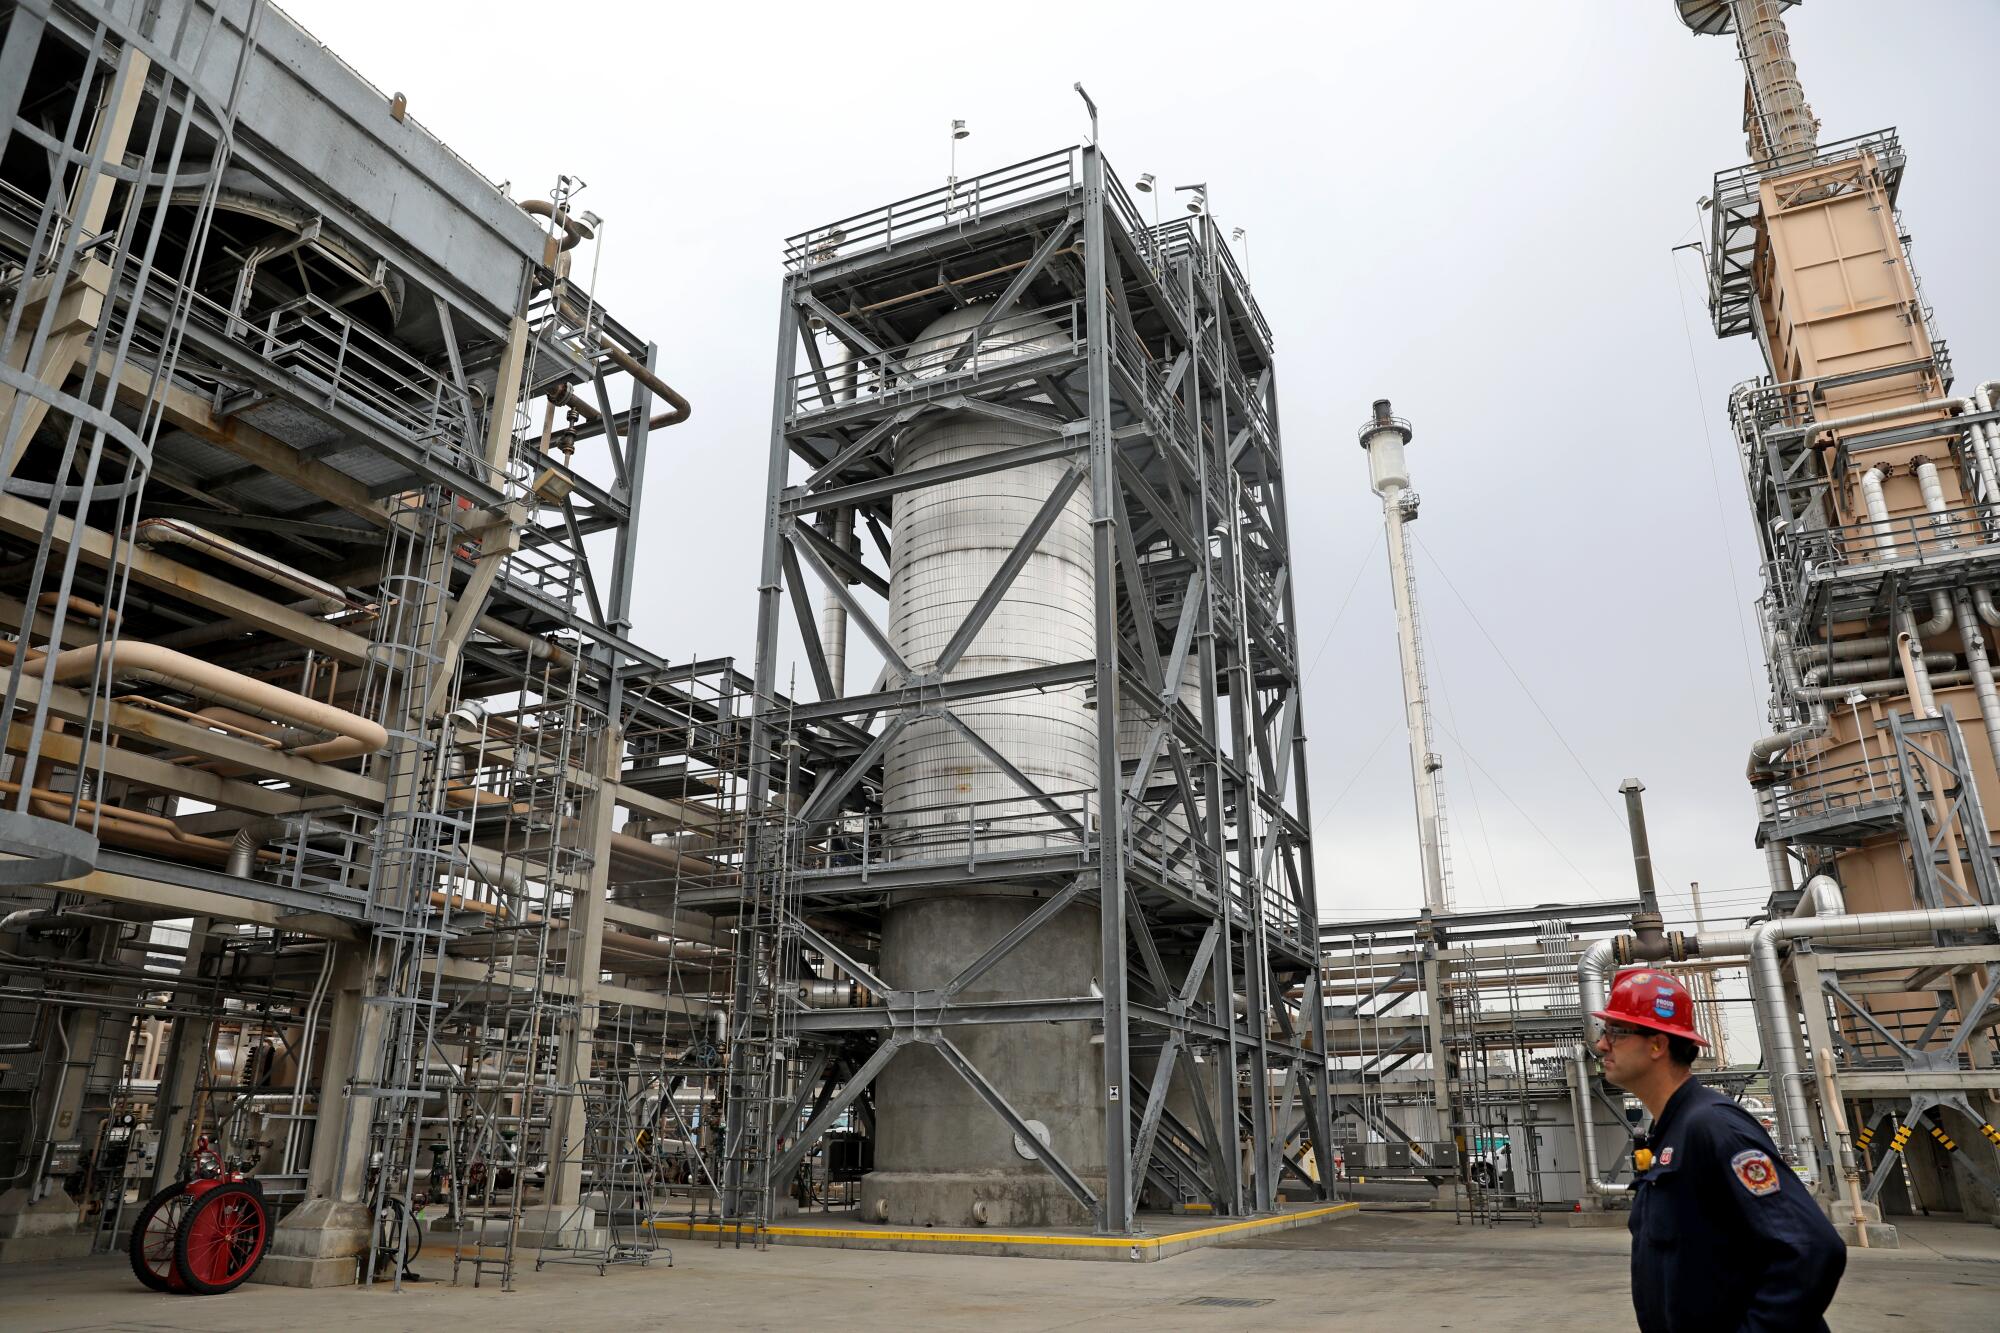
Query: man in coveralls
[1724,1236]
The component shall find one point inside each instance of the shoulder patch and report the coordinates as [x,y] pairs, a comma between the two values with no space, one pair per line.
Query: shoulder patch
[1755,1171]
[1667,1156]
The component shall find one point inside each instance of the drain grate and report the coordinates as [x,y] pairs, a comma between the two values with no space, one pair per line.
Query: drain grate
[1232,1302]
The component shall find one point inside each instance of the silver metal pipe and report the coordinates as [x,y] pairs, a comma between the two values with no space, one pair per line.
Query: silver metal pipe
[1768,748]
[1878,688]
[1879,524]
[1773,1008]
[1932,488]
[1981,666]
[1593,984]
[1586,1126]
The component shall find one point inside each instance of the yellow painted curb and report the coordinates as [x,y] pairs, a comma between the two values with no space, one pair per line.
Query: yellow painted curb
[1015,1238]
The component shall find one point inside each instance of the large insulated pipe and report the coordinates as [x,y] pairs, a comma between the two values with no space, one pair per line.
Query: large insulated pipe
[1778,647]
[352,734]
[1880,527]
[1586,1127]
[1981,666]
[1931,486]
[154,532]
[1593,985]
[1916,672]
[1775,1017]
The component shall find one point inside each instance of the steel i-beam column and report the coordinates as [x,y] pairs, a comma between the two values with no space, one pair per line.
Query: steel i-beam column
[1117,1207]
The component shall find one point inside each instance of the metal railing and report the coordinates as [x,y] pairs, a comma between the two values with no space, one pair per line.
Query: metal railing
[955,832]
[1050,330]
[1837,788]
[350,365]
[953,204]
[1818,552]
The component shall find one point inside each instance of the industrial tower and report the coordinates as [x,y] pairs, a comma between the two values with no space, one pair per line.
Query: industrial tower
[1033,903]
[1385,437]
[1874,490]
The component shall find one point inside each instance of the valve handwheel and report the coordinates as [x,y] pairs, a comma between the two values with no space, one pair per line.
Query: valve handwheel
[151,1247]
[222,1239]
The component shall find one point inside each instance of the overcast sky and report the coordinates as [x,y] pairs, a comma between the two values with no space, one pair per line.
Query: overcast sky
[1467,207]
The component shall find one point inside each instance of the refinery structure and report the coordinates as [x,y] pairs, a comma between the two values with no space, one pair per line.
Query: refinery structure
[357,854]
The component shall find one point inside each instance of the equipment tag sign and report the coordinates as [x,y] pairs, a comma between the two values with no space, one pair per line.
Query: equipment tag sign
[1755,1171]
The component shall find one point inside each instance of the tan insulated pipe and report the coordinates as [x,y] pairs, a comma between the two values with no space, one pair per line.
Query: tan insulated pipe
[174,532]
[80,605]
[352,735]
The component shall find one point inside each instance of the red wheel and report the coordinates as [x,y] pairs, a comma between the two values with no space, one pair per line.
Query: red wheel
[151,1247]
[222,1240]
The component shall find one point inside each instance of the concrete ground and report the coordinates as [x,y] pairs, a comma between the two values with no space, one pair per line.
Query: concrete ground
[1368,1271]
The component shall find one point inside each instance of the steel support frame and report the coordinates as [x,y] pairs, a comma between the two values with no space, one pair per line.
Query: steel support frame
[1235,770]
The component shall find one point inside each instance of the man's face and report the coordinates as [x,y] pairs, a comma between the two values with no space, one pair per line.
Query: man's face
[1627,1053]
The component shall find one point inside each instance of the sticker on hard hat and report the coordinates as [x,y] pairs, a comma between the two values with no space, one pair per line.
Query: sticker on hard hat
[1664,1006]
[1755,1171]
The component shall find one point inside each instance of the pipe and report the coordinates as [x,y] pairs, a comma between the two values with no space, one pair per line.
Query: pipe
[1777,866]
[353,735]
[1862,667]
[153,532]
[1642,854]
[1879,524]
[1593,984]
[246,848]
[534,645]
[1888,685]
[1768,748]
[1814,428]
[632,366]
[26,917]
[1586,1129]
[1941,616]
[1984,440]
[136,828]
[575,230]
[1839,650]
[83,606]
[1933,492]
[1982,599]
[1917,676]
[1768,988]
[1981,666]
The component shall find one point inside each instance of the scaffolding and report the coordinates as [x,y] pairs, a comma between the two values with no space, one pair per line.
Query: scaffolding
[1185,838]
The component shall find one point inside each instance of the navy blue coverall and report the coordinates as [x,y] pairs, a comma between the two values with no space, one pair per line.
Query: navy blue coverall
[1724,1236]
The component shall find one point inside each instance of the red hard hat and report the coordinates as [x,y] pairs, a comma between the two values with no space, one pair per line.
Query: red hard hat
[1644,998]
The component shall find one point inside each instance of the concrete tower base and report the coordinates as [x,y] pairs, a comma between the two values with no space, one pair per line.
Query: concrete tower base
[943,1157]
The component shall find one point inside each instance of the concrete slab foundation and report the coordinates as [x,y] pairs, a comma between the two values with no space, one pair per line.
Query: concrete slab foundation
[40,1231]
[1166,1236]
[319,1244]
